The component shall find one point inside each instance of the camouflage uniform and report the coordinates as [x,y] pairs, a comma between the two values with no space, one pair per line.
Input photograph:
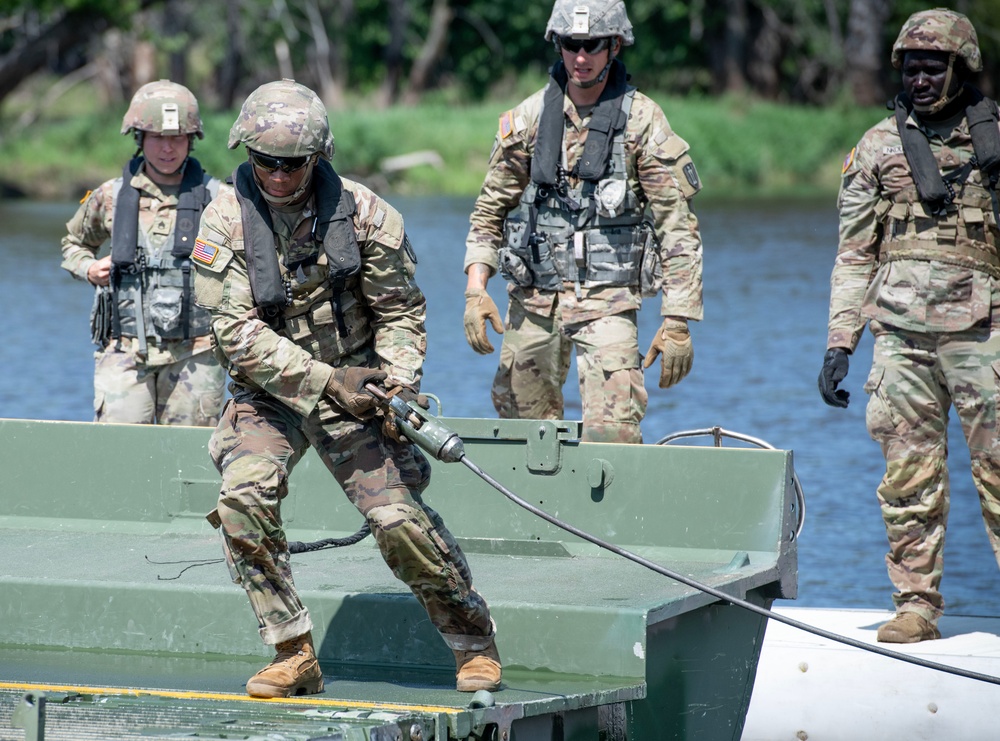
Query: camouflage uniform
[279,408]
[165,381]
[542,326]
[929,287]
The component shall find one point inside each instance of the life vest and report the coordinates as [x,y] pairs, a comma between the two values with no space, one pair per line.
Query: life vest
[947,218]
[591,234]
[152,287]
[331,320]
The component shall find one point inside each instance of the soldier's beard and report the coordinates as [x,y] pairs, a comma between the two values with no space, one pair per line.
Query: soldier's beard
[300,193]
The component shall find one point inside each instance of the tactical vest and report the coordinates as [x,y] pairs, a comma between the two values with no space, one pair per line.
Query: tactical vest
[946,218]
[324,312]
[591,234]
[152,285]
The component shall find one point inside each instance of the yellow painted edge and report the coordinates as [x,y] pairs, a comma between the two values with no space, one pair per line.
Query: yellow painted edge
[187,695]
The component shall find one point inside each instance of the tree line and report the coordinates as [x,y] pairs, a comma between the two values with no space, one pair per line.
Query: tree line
[389,52]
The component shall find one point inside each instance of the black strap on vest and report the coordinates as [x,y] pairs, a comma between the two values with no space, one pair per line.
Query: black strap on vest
[334,227]
[191,201]
[606,119]
[934,190]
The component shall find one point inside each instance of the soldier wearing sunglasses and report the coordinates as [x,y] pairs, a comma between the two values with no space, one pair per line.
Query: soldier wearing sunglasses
[585,210]
[310,281]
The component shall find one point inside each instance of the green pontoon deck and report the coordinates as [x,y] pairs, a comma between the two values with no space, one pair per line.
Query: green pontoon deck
[119,621]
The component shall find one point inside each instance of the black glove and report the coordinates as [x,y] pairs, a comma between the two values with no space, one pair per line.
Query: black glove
[389,419]
[834,371]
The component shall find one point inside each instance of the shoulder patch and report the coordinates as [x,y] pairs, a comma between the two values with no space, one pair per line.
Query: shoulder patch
[849,160]
[506,124]
[204,252]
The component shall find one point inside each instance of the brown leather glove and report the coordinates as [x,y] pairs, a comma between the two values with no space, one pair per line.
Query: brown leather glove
[347,388]
[389,419]
[478,308]
[673,343]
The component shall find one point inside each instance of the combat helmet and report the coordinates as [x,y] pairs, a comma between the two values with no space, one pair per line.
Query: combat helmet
[939,29]
[163,107]
[283,119]
[589,19]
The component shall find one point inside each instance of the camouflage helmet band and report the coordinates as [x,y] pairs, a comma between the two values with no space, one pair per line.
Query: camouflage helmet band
[589,19]
[283,119]
[941,30]
[163,107]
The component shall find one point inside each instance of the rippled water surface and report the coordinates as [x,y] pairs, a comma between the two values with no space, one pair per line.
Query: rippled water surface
[757,355]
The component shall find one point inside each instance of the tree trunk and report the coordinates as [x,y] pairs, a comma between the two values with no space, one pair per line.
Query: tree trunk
[175,23]
[864,52]
[230,70]
[430,52]
[30,55]
[399,19]
[735,47]
[766,51]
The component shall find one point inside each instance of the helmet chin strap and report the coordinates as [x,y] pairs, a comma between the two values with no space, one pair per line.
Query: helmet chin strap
[945,99]
[599,79]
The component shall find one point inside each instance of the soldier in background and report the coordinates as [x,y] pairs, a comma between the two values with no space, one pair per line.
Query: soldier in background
[309,278]
[574,169]
[918,262]
[155,363]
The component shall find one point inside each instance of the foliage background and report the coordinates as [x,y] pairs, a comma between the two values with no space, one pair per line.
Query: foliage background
[770,94]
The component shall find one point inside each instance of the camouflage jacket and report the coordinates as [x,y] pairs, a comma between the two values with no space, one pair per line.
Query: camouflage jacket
[655,158]
[933,291]
[294,363]
[90,228]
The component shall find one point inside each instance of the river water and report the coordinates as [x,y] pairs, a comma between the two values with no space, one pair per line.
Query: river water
[757,355]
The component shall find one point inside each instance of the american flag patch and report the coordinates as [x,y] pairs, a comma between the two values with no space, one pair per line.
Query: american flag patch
[204,252]
[506,124]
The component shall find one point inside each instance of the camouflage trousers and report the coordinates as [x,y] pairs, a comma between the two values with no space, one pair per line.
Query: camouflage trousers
[534,364]
[185,392]
[915,378]
[256,445]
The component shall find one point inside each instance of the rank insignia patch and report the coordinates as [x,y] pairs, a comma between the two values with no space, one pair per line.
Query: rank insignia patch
[848,160]
[204,252]
[506,124]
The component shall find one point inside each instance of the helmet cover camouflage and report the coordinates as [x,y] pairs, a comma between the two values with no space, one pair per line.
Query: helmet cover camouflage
[941,30]
[283,119]
[163,107]
[589,19]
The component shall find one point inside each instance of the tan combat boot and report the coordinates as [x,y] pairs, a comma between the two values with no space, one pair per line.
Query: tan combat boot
[294,671]
[907,627]
[477,670]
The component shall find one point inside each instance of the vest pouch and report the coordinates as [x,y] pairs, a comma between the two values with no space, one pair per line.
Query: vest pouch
[614,256]
[513,268]
[165,304]
[609,196]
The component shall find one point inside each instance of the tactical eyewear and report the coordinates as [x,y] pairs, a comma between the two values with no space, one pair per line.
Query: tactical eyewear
[591,46]
[269,164]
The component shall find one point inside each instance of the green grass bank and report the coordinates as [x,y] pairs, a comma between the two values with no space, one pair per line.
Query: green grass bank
[742,148]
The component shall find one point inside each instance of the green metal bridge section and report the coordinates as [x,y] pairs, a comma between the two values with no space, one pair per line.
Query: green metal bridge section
[119,620]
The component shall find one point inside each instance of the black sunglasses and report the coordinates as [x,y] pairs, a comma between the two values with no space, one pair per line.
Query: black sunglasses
[591,46]
[269,164]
